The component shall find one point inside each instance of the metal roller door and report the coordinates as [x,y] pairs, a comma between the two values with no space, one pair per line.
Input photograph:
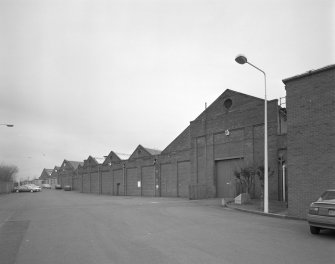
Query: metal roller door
[94,182]
[226,183]
[184,169]
[132,188]
[168,181]
[118,186]
[148,181]
[106,183]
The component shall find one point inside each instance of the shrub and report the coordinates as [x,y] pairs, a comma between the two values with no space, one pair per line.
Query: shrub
[7,172]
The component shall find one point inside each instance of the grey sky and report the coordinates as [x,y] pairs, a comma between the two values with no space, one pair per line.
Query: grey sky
[82,78]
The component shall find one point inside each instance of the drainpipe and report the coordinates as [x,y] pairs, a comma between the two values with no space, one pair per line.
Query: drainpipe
[82,181]
[284,181]
[124,179]
[89,174]
[99,180]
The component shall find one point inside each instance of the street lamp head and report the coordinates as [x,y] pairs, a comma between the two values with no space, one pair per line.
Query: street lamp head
[241,59]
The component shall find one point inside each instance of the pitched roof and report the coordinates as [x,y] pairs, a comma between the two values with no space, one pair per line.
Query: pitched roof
[48,171]
[45,173]
[153,151]
[99,160]
[122,156]
[75,164]
[141,151]
[228,93]
[181,142]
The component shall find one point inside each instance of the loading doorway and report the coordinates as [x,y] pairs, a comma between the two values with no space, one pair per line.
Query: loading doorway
[226,186]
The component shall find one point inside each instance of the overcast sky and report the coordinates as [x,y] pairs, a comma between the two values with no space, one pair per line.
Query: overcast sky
[80,78]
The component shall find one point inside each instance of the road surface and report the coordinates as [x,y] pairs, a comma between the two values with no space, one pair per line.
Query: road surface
[57,227]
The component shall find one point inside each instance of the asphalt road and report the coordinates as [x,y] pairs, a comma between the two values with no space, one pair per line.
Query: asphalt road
[70,228]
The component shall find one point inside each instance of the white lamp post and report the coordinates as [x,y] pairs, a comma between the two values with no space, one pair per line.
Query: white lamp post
[242,60]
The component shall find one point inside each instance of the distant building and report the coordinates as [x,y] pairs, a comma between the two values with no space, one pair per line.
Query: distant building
[89,175]
[46,177]
[67,172]
[54,176]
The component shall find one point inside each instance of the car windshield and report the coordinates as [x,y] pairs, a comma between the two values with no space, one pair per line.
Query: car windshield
[328,195]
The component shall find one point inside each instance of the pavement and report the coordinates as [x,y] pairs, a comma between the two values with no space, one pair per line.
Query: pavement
[276,208]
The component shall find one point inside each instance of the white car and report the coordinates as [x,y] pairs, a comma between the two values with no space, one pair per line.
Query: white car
[321,213]
[34,187]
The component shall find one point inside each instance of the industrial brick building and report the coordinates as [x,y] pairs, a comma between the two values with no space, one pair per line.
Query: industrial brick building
[229,135]
[311,137]
[49,176]
[200,162]
[67,172]
[45,176]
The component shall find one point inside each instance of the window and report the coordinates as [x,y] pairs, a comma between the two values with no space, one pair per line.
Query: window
[228,103]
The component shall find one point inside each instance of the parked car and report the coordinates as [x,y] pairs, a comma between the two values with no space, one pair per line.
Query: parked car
[46,186]
[35,188]
[58,186]
[321,214]
[67,188]
[22,188]
[26,188]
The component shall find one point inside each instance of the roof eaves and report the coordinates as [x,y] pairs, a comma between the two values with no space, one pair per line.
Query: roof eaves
[308,73]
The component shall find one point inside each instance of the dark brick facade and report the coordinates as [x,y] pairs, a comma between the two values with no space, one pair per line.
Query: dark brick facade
[311,137]
[236,132]
[68,172]
[230,129]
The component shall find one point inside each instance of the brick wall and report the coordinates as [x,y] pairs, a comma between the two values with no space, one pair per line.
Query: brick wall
[186,167]
[107,181]
[176,153]
[311,137]
[245,122]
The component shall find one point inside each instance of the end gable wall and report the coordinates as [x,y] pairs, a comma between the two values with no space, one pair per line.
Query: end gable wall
[245,123]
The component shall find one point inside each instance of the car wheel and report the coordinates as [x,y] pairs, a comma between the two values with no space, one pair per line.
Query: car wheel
[31,191]
[314,230]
